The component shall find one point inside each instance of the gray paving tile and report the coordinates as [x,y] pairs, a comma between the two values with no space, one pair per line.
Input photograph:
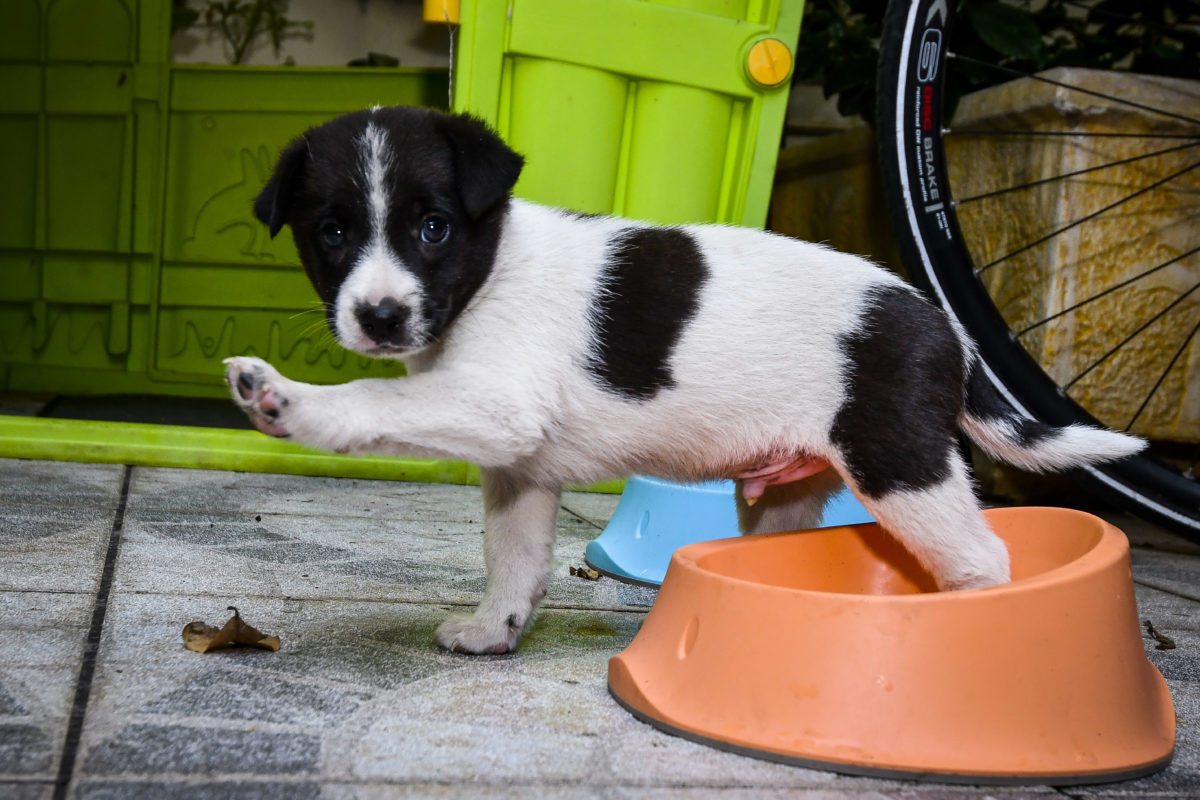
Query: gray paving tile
[41,644]
[594,507]
[55,525]
[275,789]
[1179,619]
[664,761]
[928,791]
[246,495]
[1174,572]
[25,749]
[1147,535]
[733,792]
[358,692]
[158,748]
[262,789]
[26,790]
[368,540]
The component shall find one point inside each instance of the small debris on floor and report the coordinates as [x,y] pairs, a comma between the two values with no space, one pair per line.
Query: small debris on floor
[202,637]
[1164,642]
[587,573]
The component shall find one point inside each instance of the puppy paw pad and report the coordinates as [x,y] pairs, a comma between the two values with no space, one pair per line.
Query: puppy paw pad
[254,386]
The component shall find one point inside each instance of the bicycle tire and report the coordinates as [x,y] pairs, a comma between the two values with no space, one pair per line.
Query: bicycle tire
[911,78]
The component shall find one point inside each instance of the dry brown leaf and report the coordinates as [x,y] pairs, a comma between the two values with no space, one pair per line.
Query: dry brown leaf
[1164,642]
[202,637]
[587,573]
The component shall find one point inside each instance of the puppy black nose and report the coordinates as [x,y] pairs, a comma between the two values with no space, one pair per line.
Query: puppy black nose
[384,323]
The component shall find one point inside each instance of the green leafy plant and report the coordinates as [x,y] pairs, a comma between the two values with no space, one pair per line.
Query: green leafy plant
[182,16]
[242,24]
[839,42]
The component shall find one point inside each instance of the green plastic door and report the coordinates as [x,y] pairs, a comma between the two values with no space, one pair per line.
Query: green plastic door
[642,109]
[80,85]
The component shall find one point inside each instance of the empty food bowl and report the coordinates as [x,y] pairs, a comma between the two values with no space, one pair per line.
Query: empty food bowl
[831,648]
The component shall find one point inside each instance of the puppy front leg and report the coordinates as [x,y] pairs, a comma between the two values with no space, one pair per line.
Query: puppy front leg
[518,548]
[445,415]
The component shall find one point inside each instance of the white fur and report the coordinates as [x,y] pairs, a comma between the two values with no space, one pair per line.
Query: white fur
[379,273]
[1065,448]
[944,530]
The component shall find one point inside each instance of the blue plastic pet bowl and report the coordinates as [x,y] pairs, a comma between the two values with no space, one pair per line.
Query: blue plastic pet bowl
[655,518]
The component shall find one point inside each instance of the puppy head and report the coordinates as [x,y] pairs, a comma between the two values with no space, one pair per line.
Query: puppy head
[396,214]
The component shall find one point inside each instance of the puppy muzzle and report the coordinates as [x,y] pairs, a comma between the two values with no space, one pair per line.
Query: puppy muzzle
[385,323]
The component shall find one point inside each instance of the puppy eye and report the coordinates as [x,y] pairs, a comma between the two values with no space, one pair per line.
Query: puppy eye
[331,235]
[434,229]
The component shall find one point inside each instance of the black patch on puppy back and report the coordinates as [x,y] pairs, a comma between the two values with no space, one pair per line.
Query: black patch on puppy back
[649,292]
[899,422]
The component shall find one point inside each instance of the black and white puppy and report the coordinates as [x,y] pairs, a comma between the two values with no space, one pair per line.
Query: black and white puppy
[550,347]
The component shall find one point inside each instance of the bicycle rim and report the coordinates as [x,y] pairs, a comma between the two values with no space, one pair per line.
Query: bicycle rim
[954,269]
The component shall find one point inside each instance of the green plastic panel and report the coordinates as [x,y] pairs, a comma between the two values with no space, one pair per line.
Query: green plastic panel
[70,116]
[132,260]
[632,107]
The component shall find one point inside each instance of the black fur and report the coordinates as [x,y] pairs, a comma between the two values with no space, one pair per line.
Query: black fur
[984,402]
[451,166]
[651,287]
[486,167]
[274,203]
[905,394]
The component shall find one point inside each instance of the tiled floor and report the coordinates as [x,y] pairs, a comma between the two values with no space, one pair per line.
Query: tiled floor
[102,566]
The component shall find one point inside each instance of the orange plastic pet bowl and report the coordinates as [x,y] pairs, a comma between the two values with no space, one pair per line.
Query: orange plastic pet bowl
[832,649]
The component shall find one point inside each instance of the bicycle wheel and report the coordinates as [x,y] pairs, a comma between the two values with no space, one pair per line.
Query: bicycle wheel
[1056,221]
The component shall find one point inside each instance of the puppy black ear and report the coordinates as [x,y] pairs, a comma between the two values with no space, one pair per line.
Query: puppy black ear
[487,168]
[273,203]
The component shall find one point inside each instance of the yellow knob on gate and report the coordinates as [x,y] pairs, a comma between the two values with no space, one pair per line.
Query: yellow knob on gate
[769,62]
[443,11]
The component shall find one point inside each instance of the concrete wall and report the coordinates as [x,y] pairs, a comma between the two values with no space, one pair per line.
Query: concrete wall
[342,30]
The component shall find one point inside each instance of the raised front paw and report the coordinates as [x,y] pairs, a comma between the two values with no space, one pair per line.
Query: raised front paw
[477,636]
[258,389]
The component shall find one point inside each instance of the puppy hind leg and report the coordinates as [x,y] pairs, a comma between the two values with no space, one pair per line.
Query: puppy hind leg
[941,525]
[518,550]
[788,506]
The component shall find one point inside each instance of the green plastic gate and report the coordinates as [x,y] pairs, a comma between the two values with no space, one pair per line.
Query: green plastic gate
[132,262]
[649,110]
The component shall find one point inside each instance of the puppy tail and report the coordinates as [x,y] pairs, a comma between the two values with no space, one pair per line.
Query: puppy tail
[1005,435]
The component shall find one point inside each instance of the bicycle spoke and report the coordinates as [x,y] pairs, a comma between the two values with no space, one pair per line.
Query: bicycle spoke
[1109,290]
[1163,376]
[1086,218]
[1074,174]
[1111,98]
[1131,337]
